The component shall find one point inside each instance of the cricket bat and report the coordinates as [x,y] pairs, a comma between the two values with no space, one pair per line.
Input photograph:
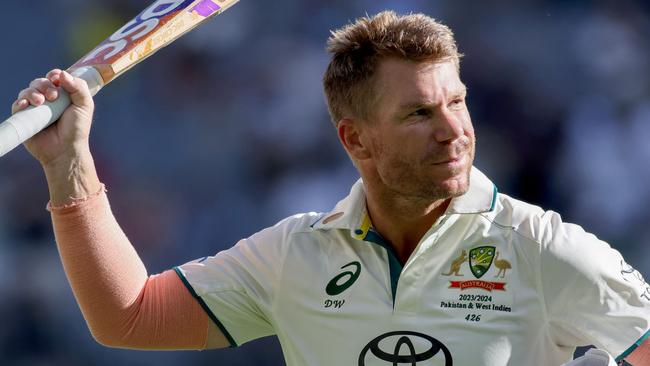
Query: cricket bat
[157,26]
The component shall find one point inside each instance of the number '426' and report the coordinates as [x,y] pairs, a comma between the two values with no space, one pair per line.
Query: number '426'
[473,317]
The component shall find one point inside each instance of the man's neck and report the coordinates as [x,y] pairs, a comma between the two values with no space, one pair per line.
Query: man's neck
[403,221]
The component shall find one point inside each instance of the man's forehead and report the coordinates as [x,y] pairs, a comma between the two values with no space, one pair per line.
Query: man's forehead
[412,81]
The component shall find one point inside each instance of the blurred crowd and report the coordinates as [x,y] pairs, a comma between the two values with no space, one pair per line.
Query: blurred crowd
[226,132]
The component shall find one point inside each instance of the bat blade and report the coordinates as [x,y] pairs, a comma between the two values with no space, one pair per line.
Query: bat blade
[154,28]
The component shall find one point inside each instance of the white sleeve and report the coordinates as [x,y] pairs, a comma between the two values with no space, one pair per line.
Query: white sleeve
[236,287]
[593,296]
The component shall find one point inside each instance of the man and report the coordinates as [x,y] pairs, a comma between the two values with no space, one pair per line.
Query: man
[424,263]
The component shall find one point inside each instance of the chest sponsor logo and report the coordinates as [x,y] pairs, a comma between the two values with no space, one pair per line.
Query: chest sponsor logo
[342,282]
[405,348]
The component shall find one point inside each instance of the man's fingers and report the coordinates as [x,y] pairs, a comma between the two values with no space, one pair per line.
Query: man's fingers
[72,84]
[32,95]
[51,94]
[41,84]
[19,105]
[54,74]
[76,87]
[45,87]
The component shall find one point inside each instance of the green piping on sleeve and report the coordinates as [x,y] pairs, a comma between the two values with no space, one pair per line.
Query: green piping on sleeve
[205,307]
[633,347]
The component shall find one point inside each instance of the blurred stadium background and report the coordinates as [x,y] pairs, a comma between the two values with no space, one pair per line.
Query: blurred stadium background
[229,133]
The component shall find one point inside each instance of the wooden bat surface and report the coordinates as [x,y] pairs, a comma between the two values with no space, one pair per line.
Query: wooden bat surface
[155,27]
[158,25]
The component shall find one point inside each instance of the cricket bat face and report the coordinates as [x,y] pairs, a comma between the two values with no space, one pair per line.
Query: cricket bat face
[158,25]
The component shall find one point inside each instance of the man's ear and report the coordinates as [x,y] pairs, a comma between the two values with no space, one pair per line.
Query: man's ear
[351,135]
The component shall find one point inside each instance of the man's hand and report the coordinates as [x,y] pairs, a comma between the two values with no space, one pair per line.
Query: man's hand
[68,137]
[62,148]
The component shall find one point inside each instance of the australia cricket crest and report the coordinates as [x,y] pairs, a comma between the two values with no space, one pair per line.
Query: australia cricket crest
[482,296]
[480,260]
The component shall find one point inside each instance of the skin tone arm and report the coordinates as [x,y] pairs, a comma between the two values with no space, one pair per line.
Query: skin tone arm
[641,355]
[121,304]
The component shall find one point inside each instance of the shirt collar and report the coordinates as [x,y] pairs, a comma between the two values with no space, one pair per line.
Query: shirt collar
[481,196]
[351,212]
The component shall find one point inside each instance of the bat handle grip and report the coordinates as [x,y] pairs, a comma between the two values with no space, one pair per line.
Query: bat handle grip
[30,121]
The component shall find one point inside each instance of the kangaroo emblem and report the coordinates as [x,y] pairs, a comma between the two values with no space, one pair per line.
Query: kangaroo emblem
[454,268]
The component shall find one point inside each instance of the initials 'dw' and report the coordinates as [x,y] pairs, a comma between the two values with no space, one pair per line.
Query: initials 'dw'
[334,303]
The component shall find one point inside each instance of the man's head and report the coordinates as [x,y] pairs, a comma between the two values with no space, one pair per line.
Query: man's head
[358,48]
[396,99]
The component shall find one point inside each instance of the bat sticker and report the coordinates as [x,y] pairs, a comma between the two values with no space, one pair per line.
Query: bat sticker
[125,39]
[205,8]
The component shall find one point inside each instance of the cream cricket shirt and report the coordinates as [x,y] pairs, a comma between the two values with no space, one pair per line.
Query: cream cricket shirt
[494,282]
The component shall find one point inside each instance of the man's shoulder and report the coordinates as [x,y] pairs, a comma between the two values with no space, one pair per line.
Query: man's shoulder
[526,219]
[283,229]
[514,209]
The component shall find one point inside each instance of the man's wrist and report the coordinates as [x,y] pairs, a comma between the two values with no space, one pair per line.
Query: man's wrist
[71,177]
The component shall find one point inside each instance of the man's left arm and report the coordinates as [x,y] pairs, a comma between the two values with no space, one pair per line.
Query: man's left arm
[641,355]
[592,295]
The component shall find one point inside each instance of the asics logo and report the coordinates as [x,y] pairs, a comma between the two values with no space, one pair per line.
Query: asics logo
[344,280]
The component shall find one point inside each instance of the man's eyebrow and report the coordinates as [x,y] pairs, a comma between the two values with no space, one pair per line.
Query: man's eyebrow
[425,103]
[416,105]
[460,92]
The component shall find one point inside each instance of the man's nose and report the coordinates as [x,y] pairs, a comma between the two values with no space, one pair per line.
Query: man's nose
[449,126]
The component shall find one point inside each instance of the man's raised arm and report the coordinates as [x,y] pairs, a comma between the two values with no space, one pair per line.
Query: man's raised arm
[121,304]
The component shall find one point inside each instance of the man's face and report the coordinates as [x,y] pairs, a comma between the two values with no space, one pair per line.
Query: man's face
[420,138]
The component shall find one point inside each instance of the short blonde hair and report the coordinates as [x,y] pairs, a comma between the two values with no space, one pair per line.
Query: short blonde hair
[358,48]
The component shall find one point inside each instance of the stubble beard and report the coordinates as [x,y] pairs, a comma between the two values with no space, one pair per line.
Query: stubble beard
[423,189]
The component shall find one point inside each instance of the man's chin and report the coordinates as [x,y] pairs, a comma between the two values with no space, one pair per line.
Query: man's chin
[455,186]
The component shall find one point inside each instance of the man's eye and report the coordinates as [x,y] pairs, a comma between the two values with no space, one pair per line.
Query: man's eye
[457,102]
[420,112]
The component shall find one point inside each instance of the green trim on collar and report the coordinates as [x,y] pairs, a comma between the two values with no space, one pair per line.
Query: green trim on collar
[480,197]
[494,198]
[636,345]
[394,266]
[205,307]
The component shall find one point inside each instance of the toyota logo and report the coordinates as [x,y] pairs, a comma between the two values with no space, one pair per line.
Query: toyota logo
[398,348]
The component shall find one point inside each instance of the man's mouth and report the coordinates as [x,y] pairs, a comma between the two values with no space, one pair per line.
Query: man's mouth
[452,160]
